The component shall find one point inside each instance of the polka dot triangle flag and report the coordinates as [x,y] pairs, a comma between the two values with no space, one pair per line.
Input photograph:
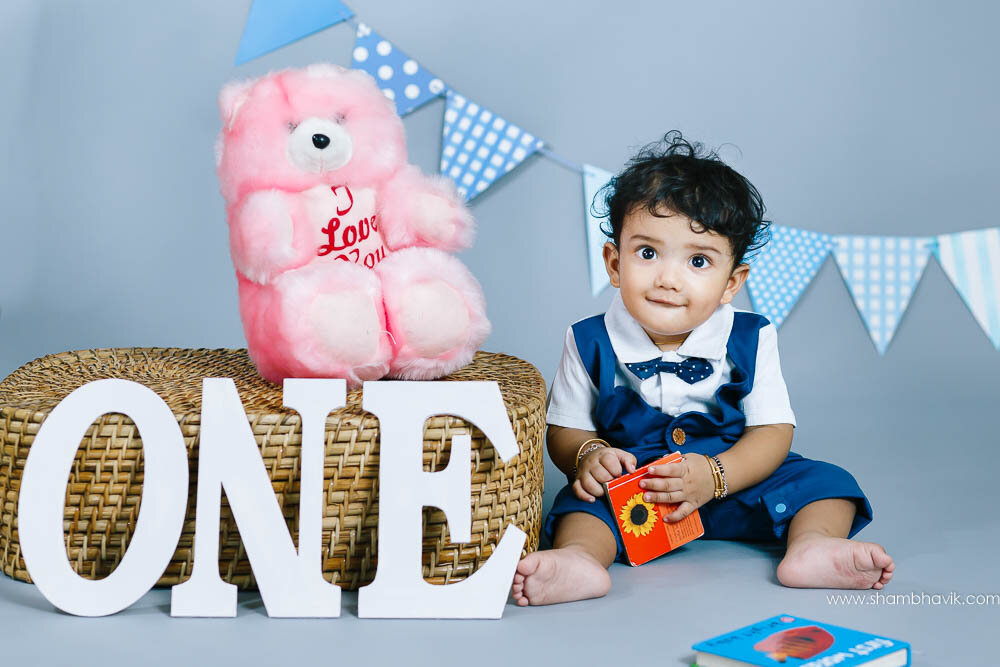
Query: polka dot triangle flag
[881,273]
[400,77]
[783,269]
[478,147]
[972,262]
[593,180]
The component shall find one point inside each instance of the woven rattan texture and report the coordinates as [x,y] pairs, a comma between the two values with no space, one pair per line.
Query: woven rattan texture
[105,482]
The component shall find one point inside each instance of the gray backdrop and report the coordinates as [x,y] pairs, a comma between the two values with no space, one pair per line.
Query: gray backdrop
[850,117]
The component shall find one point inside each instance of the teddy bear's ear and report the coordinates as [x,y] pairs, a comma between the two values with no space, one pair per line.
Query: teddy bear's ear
[231,98]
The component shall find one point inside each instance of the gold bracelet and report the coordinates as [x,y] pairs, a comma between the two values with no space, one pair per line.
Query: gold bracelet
[595,444]
[718,477]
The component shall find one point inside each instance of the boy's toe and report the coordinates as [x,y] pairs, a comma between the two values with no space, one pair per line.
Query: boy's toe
[527,566]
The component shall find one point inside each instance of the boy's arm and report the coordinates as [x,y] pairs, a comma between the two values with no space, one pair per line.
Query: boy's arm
[563,445]
[600,465]
[756,455]
[752,459]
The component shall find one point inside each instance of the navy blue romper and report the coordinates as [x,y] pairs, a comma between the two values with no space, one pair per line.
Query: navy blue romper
[624,419]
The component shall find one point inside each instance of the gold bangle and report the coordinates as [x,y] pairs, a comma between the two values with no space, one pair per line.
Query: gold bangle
[718,477]
[595,444]
[718,481]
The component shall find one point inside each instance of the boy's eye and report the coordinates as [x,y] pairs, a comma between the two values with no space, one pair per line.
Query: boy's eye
[647,253]
[699,261]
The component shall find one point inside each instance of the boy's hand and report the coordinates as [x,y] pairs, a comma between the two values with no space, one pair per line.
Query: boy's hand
[688,482]
[601,465]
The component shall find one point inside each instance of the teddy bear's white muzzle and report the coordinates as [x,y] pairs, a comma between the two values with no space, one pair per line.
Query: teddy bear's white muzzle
[318,145]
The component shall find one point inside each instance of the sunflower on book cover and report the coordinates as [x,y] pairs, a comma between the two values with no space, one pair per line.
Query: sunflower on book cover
[637,516]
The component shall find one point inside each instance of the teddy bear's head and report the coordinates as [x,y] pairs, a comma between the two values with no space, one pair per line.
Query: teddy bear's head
[298,128]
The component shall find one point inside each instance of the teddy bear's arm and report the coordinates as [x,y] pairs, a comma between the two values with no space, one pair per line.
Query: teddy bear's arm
[262,237]
[416,210]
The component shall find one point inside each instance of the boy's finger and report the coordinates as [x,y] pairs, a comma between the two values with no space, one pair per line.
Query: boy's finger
[661,484]
[601,474]
[669,470]
[682,511]
[629,461]
[668,497]
[580,493]
[611,464]
[591,486]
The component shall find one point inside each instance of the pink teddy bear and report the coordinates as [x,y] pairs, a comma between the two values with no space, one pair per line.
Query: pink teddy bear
[340,246]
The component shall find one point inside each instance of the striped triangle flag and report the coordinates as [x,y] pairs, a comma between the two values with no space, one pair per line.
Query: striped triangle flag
[881,273]
[401,78]
[478,147]
[272,24]
[971,261]
[594,179]
[783,268]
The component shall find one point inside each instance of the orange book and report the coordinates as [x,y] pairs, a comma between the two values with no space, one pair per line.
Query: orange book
[641,523]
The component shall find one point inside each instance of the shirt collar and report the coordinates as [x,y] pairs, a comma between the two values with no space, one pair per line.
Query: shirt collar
[631,344]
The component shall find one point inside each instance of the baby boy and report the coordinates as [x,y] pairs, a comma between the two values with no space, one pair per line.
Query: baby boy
[673,367]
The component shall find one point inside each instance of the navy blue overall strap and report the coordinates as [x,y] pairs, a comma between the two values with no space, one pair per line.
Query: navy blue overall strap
[742,346]
[591,336]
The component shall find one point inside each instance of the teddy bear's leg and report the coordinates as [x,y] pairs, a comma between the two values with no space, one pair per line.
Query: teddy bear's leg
[324,320]
[435,311]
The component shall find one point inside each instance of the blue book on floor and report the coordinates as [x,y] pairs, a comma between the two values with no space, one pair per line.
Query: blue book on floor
[798,642]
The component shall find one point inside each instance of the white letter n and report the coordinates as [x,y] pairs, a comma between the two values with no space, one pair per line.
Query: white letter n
[290,584]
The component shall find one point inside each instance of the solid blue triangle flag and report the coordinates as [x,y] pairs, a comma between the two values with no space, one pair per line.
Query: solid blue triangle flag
[400,77]
[594,179]
[274,23]
[478,147]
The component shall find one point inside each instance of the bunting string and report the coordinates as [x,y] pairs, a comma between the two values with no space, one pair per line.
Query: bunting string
[479,147]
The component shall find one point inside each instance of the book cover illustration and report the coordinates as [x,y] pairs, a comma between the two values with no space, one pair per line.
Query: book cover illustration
[799,642]
[641,523]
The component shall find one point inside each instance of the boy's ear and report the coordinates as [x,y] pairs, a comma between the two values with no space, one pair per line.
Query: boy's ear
[611,263]
[736,280]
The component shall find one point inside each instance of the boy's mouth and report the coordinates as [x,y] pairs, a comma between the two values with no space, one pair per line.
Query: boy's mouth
[664,302]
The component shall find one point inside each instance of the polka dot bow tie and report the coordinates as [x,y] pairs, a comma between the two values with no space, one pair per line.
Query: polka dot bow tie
[691,370]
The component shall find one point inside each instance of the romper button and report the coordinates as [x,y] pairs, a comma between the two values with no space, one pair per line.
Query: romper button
[678,436]
[780,507]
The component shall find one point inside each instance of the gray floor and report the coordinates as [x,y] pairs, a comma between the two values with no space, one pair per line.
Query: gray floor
[657,610]
[934,512]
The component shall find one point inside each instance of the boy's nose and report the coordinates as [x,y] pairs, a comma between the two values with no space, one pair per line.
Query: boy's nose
[668,277]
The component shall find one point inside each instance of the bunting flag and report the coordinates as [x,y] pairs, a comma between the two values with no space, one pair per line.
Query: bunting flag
[272,24]
[971,261]
[400,77]
[594,179]
[881,273]
[478,146]
[783,269]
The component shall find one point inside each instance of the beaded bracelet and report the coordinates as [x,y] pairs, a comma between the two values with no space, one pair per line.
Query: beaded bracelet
[718,477]
[595,444]
[722,473]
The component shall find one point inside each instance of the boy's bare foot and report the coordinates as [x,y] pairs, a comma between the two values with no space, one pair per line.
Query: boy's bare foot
[559,575]
[821,561]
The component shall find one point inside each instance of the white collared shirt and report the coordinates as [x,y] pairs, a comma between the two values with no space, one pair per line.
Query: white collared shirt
[573,398]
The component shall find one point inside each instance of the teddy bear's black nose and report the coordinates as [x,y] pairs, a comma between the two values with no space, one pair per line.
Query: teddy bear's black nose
[321,141]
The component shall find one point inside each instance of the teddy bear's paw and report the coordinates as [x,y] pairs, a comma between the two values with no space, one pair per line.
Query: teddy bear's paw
[435,313]
[331,322]
[432,319]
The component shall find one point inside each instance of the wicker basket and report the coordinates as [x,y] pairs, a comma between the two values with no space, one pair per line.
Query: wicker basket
[105,483]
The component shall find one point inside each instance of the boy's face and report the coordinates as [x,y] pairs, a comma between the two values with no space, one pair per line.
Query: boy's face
[671,278]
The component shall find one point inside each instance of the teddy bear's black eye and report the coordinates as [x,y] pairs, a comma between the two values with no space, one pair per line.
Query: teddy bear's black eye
[292,126]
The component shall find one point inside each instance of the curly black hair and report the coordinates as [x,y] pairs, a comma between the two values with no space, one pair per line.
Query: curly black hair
[675,176]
